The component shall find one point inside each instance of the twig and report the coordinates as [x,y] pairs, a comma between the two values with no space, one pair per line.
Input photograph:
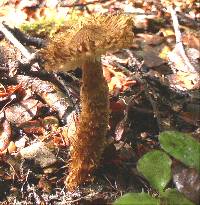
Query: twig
[25,38]
[15,42]
[84,4]
[114,187]
[9,102]
[175,25]
[154,107]
[185,20]
[179,44]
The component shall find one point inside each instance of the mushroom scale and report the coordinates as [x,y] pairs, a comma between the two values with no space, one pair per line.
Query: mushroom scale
[82,46]
[88,38]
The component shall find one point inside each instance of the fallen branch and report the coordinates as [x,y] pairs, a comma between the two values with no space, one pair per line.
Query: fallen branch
[83,4]
[15,42]
[179,45]
[187,21]
[25,38]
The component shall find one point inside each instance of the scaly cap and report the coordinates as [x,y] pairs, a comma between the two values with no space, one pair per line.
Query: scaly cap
[86,40]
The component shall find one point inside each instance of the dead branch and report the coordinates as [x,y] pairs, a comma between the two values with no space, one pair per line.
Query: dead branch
[187,21]
[83,4]
[179,44]
[15,42]
[25,38]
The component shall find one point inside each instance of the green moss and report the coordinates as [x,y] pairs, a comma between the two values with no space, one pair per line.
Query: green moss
[47,26]
[44,27]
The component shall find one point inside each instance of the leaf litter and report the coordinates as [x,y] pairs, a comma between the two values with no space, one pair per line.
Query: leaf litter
[149,93]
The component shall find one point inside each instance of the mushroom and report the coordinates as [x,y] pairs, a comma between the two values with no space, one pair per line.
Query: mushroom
[82,46]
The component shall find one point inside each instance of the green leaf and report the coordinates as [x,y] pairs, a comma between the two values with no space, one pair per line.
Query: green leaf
[182,147]
[136,199]
[173,197]
[156,168]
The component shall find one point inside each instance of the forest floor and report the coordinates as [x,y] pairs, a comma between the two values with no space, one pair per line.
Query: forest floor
[153,88]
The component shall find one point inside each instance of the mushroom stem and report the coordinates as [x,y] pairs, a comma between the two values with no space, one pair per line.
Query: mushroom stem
[90,139]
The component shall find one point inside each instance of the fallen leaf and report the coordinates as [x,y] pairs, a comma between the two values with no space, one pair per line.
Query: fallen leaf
[39,153]
[184,80]
[22,112]
[164,52]
[187,181]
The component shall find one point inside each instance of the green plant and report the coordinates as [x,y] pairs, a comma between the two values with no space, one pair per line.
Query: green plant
[137,199]
[182,147]
[155,166]
[44,27]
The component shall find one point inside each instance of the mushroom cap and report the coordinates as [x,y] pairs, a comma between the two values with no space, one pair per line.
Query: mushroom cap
[86,40]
